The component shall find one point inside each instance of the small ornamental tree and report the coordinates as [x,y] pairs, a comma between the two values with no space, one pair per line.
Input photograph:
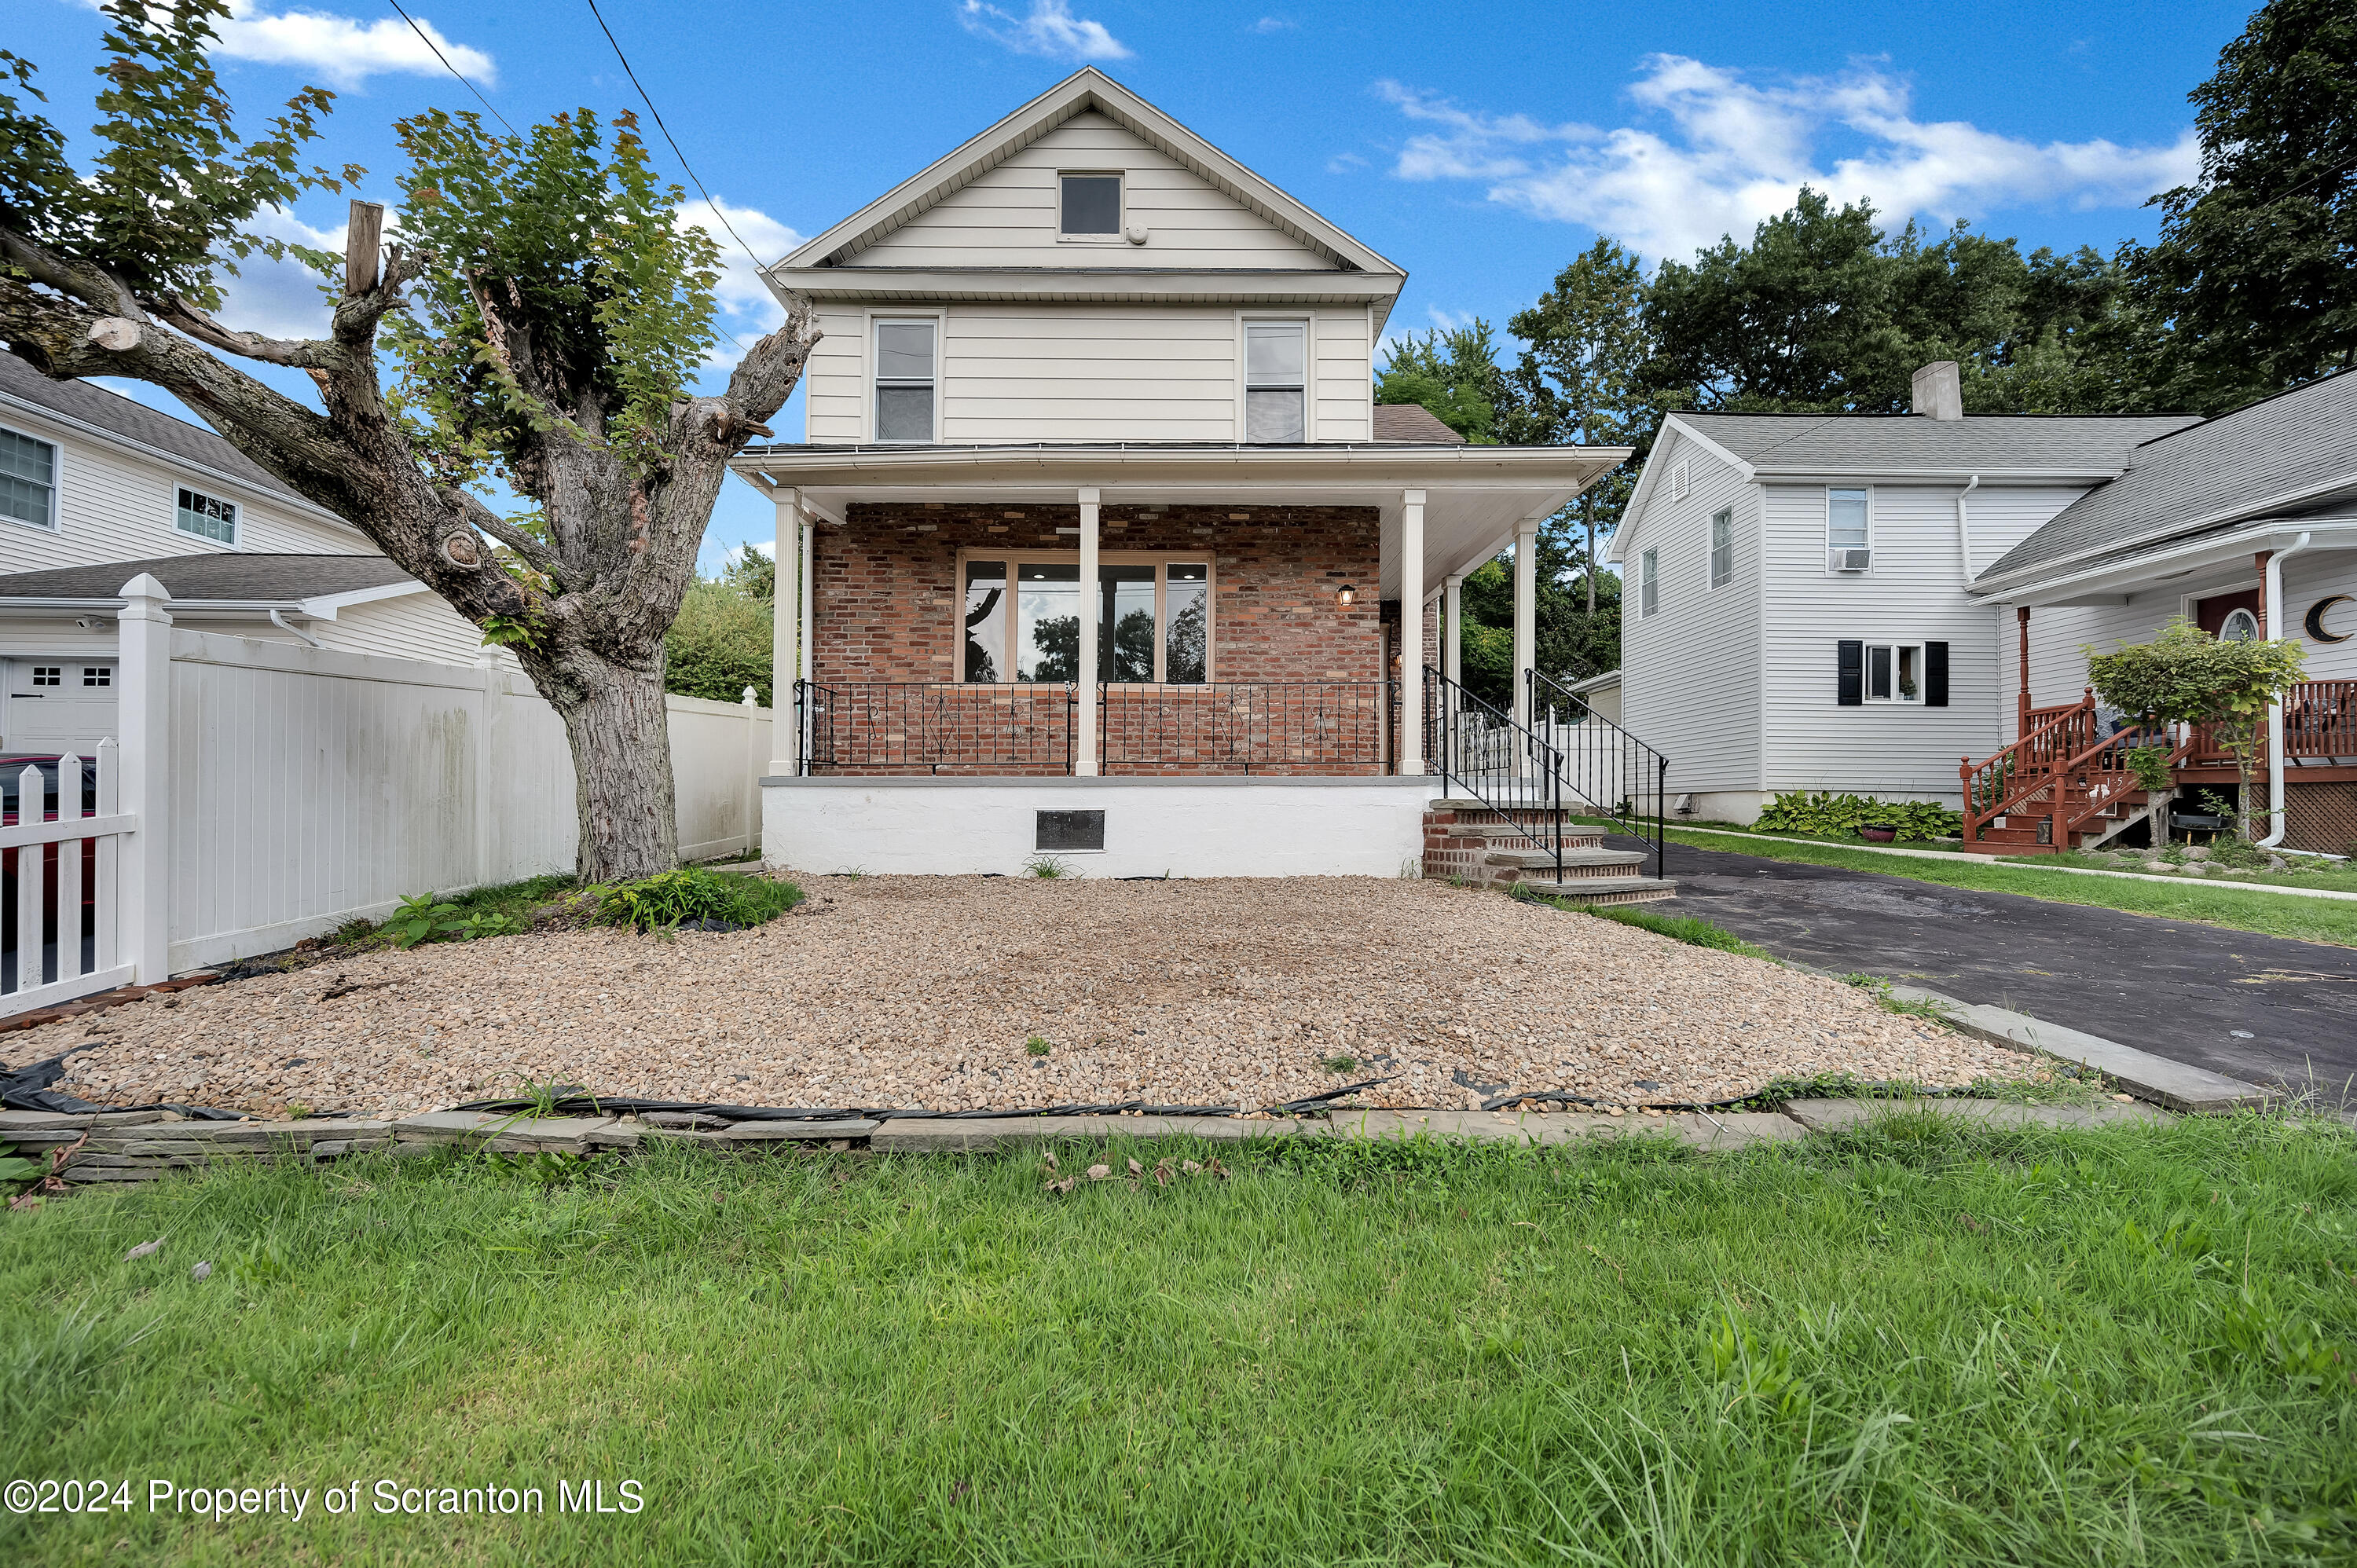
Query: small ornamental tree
[544,309]
[2187,676]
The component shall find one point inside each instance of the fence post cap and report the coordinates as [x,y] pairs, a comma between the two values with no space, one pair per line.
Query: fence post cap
[145,587]
[751,698]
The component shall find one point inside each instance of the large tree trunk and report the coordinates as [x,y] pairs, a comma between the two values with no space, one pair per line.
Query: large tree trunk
[620,727]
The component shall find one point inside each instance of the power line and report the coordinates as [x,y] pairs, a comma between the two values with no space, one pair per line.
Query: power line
[427,38]
[674,145]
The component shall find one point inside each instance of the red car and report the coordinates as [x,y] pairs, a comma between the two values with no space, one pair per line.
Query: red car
[13,861]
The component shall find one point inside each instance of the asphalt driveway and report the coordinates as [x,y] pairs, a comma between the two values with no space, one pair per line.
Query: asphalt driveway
[2265,1009]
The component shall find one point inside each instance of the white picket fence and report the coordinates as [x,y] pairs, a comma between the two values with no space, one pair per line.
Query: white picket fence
[301,788]
[58,923]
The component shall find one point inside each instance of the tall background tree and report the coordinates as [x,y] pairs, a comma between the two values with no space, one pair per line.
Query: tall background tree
[544,312]
[2255,272]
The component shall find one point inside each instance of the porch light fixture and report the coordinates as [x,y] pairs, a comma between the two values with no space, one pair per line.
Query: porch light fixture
[1347,598]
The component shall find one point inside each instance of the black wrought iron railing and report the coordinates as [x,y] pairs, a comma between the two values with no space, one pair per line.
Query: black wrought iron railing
[908,726]
[1606,771]
[1480,752]
[1318,727]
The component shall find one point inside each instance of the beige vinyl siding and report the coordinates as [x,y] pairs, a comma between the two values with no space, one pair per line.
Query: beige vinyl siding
[1341,385]
[415,625]
[115,504]
[1008,216]
[1690,682]
[1914,594]
[834,379]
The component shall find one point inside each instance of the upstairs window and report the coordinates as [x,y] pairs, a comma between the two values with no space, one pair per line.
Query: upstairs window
[905,380]
[1848,532]
[29,480]
[207,517]
[1090,208]
[1275,391]
[1722,547]
[1649,583]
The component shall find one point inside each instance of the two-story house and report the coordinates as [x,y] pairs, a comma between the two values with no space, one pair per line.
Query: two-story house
[96,489]
[1096,543]
[1902,606]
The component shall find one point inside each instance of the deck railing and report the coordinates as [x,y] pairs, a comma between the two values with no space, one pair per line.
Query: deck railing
[2020,778]
[901,727]
[1480,752]
[2320,724]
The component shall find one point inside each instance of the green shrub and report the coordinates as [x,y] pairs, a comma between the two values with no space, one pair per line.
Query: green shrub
[693,893]
[719,645]
[1829,814]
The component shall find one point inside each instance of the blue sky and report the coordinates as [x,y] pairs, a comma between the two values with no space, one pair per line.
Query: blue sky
[1480,145]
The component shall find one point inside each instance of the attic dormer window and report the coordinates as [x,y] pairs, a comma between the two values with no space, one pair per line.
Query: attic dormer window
[1091,207]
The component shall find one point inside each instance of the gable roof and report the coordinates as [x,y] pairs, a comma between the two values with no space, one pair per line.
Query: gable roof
[213,577]
[2291,453]
[1085,89]
[1897,443]
[113,413]
[1413,422]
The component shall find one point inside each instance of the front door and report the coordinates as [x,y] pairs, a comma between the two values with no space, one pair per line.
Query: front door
[2234,617]
[56,706]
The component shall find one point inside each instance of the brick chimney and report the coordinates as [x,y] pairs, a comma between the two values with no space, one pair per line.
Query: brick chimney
[1938,394]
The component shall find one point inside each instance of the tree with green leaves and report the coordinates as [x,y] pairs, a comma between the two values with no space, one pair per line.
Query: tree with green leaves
[2187,676]
[1453,373]
[1584,342]
[543,310]
[2256,267]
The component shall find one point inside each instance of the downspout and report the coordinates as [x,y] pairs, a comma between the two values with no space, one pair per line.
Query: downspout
[1964,526]
[296,632]
[2274,605]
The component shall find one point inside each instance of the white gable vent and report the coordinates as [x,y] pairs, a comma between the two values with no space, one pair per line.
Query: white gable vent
[1848,560]
[1681,481]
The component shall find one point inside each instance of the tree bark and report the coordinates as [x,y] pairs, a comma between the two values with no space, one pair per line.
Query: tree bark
[618,724]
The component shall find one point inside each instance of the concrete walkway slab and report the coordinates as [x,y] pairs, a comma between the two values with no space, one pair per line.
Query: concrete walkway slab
[1710,1130]
[1832,1115]
[2195,1090]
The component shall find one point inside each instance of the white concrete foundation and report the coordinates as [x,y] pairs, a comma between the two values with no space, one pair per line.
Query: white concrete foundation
[1185,827]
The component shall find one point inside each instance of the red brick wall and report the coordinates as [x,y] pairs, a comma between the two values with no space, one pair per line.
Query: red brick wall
[887,604]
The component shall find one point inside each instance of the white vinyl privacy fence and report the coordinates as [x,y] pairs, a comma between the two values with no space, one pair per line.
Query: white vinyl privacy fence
[262,792]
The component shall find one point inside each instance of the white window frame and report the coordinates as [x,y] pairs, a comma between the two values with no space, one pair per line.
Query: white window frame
[1016,557]
[236,518]
[1865,675]
[1309,325]
[1120,218]
[1868,491]
[870,359]
[1649,584]
[1723,518]
[57,479]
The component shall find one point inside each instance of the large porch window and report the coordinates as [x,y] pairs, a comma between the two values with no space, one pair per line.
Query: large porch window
[1022,616]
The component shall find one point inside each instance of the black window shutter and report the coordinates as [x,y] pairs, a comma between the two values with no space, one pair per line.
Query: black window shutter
[1849,686]
[1935,674]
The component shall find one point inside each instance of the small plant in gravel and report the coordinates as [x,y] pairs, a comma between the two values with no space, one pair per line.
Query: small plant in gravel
[421,919]
[1338,1064]
[674,898]
[1037,1046]
[1047,868]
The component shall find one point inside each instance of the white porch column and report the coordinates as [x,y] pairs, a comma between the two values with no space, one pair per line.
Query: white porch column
[806,548]
[1452,626]
[1527,613]
[785,633]
[143,719]
[1084,718]
[1411,736]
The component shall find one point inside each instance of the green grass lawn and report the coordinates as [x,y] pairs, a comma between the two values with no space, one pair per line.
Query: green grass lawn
[1921,1344]
[2214,903]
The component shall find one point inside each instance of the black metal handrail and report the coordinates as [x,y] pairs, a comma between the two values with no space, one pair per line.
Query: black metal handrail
[1609,771]
[1251,726]
[934,726]
[1496,762]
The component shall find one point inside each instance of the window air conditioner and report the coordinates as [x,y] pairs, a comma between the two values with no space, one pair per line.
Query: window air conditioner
[1848,560]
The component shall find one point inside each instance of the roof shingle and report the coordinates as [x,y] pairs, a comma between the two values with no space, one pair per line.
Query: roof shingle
[1864,443]
[225,575]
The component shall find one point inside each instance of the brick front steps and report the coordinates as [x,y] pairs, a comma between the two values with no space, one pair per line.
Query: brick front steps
[1465,840]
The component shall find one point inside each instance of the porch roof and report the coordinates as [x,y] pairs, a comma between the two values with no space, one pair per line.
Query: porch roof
[1474,495]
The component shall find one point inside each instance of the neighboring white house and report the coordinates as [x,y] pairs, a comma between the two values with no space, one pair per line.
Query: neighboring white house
[95,489]
[1101,540]
[1847,602]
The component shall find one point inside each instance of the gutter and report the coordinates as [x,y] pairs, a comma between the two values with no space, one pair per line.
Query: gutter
[2277,786]
[2243,513]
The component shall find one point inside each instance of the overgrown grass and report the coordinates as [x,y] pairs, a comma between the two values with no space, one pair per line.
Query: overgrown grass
[2212,903]
[1685,929]
[1922,1343]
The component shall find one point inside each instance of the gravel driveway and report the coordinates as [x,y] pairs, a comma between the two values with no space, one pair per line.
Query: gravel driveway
[924,992]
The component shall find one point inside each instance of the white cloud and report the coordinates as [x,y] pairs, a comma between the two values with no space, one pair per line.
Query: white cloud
[1272,24]
[1345,163]
[344,50]
[279,299]
[1050,29]
[747,306]
[1726,152]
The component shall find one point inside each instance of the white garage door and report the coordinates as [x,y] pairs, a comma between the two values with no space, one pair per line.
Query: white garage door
[58,705]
